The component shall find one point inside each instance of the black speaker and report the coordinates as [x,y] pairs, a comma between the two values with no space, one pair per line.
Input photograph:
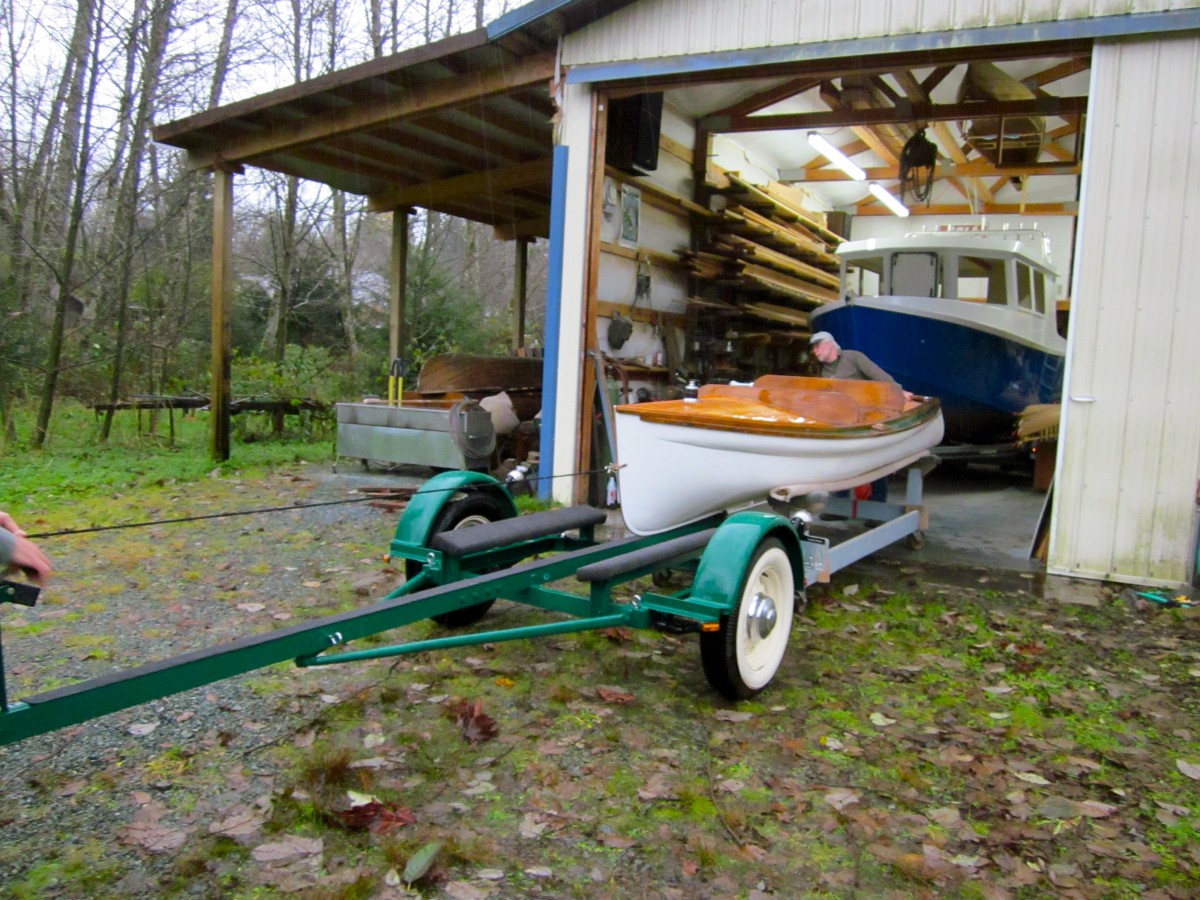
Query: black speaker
[633,127]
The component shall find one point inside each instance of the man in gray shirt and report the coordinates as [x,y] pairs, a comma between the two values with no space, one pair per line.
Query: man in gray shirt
[838,363]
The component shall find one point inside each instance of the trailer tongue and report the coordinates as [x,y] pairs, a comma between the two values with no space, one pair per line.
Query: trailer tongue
[464,547]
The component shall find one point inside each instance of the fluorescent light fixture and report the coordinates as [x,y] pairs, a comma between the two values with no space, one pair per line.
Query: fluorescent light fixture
[885,197]
[836,156]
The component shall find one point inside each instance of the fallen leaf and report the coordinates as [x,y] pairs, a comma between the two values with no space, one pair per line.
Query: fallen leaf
[154,836]
[290,849]
[1031,777]
[841,798]
[732,715]
[252,607]
[1191,770]
[476,725]
[419,863]
[614,695]
[881,720]
[946,816]
[141,729]
[242,822]
[530,827]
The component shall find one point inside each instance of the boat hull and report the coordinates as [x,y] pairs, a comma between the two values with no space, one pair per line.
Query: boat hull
[982,372]
[672,474]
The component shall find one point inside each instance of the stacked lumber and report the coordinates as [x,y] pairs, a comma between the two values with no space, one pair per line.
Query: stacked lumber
[783,236]
[777,201]
[731,265]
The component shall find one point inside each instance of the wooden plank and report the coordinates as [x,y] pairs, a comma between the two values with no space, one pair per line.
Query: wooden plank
[662,260]
[785,209]
[744,247]
[640,314]
[430,194]
[773,313]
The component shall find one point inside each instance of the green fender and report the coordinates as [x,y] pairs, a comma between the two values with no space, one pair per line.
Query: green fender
[426,504]
[727,556]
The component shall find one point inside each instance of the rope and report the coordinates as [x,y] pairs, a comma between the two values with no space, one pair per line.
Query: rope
[273,509]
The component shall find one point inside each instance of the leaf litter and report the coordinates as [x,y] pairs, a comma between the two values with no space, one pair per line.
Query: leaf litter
[919,741]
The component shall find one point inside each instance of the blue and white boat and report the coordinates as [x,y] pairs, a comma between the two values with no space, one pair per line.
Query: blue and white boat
[968,316]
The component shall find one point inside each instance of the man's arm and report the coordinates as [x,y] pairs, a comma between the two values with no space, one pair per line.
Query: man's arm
[868,369]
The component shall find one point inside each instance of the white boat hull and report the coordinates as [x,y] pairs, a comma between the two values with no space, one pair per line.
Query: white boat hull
[671,475]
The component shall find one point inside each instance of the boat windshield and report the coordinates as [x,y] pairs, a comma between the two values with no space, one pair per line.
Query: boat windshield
[971,277]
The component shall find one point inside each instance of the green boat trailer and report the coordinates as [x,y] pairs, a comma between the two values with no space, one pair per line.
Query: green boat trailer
[464,546]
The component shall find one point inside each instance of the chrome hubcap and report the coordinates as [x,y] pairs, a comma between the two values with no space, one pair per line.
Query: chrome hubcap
[761,617]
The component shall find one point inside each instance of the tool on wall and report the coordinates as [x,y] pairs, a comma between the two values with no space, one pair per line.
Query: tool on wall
[621,327]
[396,382]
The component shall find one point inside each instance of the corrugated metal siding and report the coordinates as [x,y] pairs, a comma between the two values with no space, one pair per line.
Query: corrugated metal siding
[1130,460]
[657,28]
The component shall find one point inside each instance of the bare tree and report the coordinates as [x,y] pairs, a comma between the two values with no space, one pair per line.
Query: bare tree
[149,29]
[80,77]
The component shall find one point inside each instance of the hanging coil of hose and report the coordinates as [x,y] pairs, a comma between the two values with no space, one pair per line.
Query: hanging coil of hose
[919,153]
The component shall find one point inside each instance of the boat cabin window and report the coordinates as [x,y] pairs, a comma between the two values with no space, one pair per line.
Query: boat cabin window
[864,277]
[1039,291]
[1024,286]
[983,280]
[914,275]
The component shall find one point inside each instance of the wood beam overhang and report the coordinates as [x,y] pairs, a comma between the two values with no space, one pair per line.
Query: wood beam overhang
[989,209]
[433,194]
[902,112]
[336,123]
[769,97]
[972,169]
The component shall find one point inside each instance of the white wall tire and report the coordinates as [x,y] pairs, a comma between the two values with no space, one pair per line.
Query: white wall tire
[744,656]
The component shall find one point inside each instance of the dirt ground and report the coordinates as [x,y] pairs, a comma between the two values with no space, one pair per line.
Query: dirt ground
[936,730]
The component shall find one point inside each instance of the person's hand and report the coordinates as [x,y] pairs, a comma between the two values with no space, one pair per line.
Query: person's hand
[28,557]
[8,523]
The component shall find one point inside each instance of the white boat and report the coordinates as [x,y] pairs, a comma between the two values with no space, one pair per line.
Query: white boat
[682,461]
[968,316]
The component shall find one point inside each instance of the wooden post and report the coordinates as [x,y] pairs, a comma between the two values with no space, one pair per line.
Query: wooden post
[520,286]
[222,332]
[399,280]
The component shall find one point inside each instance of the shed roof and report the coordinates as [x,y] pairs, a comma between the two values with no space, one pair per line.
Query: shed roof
[461,126]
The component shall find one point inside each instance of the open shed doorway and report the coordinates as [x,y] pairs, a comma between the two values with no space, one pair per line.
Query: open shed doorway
[739,216]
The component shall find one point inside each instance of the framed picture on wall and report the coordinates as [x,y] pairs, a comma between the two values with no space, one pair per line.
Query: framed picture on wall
[610,222]
[631,211]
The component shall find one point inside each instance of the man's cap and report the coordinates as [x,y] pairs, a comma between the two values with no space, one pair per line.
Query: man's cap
[818,337]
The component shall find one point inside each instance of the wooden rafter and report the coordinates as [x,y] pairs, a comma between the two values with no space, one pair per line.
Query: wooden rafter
[245,148]
[436,194]
[902,112]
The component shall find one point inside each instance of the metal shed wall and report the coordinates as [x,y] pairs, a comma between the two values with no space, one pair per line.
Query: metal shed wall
[1129,457]
[663,28]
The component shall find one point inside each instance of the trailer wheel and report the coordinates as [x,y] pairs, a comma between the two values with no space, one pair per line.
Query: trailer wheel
[742,657]
[476,508]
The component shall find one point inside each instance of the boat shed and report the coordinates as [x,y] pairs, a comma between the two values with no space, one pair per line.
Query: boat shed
[659,146]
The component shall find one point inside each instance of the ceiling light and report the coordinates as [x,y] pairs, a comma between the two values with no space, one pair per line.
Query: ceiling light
[885,197]
[836,156]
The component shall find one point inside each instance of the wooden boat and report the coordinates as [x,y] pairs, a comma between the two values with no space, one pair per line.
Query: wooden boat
[1006,141]
[682,461]
[968,316]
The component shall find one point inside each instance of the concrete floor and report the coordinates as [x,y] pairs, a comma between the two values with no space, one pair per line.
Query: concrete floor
[978,516]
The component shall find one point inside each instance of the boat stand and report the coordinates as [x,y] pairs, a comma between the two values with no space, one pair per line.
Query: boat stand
[464,546]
